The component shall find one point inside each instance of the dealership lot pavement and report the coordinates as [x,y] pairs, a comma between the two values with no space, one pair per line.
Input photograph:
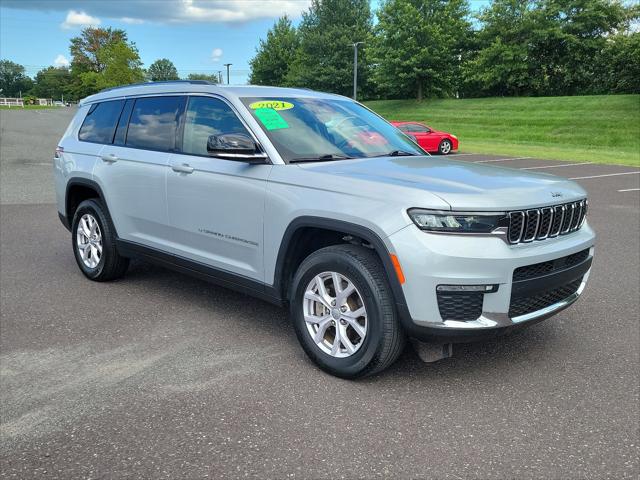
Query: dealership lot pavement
[161,375]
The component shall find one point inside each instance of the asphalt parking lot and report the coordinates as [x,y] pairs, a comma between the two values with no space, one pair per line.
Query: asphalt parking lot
[159,375]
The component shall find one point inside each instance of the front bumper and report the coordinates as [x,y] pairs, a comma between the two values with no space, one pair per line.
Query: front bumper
[429,260]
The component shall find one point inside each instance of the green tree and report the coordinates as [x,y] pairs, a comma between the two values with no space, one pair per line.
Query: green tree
[620,64]
[13,80]
[122,65]
[213,78]
[419,46]
[52,82]
[270,65]
[101,58]
[568,36]
[324,59]
[162,70]
[85,48]
[543,47]
[501,66]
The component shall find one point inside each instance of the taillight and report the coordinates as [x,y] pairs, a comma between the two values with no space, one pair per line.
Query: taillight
[59,152]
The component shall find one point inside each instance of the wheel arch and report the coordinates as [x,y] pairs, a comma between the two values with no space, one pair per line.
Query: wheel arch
[79,189]
[287,259]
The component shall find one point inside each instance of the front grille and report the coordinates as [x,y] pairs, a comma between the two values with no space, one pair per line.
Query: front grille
[523,305]
[545,268]
[460,306]
[547,222]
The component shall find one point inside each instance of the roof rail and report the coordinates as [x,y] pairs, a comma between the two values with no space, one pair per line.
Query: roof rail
[193,82]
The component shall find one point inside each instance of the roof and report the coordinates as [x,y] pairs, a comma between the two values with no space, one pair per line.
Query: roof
[187,86]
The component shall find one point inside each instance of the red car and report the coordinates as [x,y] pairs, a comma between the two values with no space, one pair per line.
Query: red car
[429,139]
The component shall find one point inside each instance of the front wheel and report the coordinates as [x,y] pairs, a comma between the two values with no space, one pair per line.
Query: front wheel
[343,312]
[445,147]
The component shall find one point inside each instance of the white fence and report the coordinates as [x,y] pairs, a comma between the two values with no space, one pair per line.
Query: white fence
[11,102]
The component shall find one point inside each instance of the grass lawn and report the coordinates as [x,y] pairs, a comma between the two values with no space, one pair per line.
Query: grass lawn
[599,129]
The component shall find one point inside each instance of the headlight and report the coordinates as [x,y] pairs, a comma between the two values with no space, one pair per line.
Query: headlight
[454,222]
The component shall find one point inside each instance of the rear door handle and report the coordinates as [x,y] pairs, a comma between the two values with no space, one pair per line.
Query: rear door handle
[109,158]
[182,168]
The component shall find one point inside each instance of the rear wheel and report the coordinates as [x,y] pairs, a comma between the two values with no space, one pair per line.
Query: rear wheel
[94,243]
[445,147]
[343,312]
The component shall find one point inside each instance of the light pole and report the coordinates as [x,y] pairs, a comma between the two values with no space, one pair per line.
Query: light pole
[355,68]
[228,65]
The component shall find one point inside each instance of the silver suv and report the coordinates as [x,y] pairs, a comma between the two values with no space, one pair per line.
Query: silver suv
[313,201]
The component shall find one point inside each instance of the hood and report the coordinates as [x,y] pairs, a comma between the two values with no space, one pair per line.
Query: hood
[462,185]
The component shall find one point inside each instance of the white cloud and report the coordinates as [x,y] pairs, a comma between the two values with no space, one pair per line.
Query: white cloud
[165,11]
[132,21]
[61,61]
[216,54]
[80,19]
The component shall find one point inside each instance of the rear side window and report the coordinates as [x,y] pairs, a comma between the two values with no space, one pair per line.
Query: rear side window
[100,123]
[121,131]
[207,116]
[154,123]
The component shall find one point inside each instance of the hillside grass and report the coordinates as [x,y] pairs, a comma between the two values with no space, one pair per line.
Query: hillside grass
[598,129]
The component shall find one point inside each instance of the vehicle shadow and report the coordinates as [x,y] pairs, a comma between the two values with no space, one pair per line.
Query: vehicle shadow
[272,324]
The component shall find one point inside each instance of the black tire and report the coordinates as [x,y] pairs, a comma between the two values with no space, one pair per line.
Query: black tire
[445,147]
[384,340]
[111,265]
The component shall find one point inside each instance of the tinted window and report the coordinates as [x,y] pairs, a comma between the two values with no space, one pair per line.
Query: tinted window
[207,116]
[121,131]
[415,128]
[154,123]
[100,123]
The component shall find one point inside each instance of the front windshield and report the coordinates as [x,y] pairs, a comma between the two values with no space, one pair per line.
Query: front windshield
[308,129]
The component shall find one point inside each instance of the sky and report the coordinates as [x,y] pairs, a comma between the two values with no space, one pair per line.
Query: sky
[198,36]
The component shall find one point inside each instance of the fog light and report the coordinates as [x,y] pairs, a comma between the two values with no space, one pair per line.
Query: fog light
[467,288]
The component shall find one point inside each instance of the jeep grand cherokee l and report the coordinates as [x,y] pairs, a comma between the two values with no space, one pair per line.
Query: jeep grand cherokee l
[313,201]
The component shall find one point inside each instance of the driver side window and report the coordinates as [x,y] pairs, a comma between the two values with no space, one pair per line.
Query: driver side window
[207,116]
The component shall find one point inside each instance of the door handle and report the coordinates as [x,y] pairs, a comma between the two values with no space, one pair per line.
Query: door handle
[110,158]
[182,168]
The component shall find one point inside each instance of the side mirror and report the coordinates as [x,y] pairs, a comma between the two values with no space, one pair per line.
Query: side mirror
[235,146]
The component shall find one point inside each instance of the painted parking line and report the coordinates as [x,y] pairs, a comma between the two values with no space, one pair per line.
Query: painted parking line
[557,166]
[605,175]
[630,190]
[462,154]
[501,160]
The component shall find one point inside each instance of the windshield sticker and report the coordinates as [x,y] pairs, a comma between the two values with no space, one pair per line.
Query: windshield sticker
[273,104]
[271,119]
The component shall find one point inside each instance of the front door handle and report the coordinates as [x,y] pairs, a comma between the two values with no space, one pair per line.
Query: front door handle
[110,158]
[182,168]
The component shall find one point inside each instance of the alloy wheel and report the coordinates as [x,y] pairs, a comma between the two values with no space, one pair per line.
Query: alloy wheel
[89,241]
[334,313]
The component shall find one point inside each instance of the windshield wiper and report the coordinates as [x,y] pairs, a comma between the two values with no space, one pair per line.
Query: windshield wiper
[321,158]
[397,153]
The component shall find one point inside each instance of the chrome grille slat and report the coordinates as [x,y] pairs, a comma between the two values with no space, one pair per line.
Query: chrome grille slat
[576,216]
[547,222]
[516,226]
[533,221]
[566,224]
[585,207]
[544,226]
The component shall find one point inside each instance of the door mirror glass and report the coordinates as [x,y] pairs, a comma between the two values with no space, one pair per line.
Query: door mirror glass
[234,146]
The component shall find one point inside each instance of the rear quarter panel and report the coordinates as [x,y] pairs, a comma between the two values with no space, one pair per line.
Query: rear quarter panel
[77,160]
